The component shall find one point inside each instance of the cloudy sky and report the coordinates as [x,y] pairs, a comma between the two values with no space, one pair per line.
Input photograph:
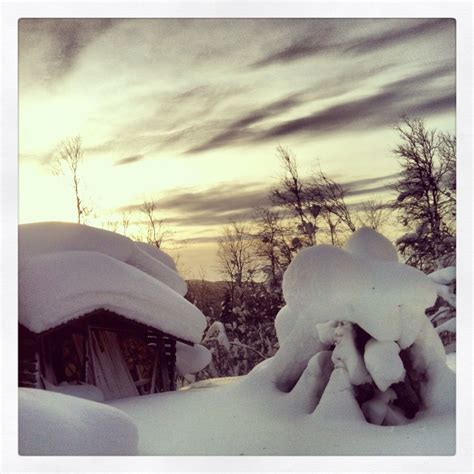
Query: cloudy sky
[188,113]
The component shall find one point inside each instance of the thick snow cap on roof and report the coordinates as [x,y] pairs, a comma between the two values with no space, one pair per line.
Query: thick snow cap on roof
[157,254]
[49,237]
[57,287]
[387,299]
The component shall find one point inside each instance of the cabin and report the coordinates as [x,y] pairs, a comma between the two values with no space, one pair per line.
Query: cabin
[99,310]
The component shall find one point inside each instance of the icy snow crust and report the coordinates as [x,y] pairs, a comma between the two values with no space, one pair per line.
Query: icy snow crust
[51,237]
[54,424]
[58,287]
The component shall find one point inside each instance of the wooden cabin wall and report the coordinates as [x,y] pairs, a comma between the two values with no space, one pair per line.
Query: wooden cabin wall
[43,353]
[28,359]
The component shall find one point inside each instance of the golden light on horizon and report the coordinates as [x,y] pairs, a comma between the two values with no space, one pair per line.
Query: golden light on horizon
[194,109]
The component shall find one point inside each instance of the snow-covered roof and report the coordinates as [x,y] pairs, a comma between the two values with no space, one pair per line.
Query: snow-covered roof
[69,270]
[58,287]
[157,254]
[48,237]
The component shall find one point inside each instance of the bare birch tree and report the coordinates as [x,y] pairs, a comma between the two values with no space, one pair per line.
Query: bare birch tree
[67,161]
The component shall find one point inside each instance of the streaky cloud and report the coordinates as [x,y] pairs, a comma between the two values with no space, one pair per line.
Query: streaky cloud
[392,37]
[129,159]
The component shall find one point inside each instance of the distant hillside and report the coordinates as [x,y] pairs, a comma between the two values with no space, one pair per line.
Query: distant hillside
[206,295]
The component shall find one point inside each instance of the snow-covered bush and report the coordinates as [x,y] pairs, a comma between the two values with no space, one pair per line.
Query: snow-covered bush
[354,338]
[244,334]
[443,313]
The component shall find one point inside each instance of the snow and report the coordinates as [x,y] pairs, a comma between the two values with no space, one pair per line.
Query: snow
[444,276]
[251,417]
[157,254]
[445,293]
[383,363]
[157,269]
[449,325]
[191,359]
[324,281]
[48,237]
[303,400]
[52,237]
[284,322]
[55,424]
[368,243]
[217,331]
[83,390]
[451,361]
[346,355]
[51,293]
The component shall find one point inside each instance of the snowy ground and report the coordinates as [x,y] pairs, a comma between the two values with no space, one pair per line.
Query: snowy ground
[233,419]
[349,314]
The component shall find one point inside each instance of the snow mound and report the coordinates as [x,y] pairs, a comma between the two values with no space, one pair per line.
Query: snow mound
[191,359]
[284,322]
[55,288]
[82,390]
[444,276]
[52,237]
[324,281]
[383,363]
[355,342]
[345,355]
[54,424]
[368,243]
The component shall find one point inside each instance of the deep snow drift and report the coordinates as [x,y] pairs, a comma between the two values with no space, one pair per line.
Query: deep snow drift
[55,424]
[356,352]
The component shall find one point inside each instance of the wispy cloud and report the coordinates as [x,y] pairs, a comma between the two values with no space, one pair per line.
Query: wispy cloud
[410,95]
[129,160]
[320,44]
[398,36]
[64,41]
[224,203]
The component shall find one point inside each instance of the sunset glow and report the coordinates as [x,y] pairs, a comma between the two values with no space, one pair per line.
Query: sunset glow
[189,113]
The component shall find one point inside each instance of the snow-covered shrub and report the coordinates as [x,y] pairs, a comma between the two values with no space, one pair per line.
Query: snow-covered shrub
[443,313]
[354,338]
[244,334]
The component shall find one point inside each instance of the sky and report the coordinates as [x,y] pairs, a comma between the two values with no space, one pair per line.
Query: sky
[188,113]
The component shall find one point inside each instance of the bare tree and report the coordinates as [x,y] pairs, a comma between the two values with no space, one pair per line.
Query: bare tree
[374,214]
[311,201]
[125,221]
[272,246]
[292,195]
[330,197]
[235,257]
[156,229]
[67,161]
[426,193]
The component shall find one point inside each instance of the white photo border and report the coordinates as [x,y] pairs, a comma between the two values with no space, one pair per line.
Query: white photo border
[13,11]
